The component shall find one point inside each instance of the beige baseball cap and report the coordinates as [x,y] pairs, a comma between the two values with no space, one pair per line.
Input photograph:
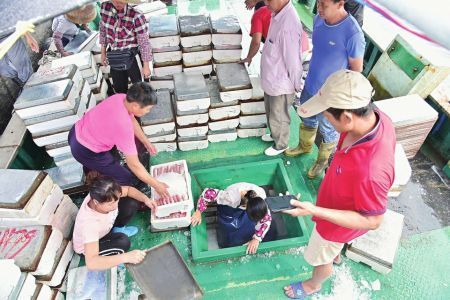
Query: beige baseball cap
[343,89]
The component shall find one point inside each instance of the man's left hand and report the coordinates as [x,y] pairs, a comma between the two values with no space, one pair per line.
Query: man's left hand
[301,208]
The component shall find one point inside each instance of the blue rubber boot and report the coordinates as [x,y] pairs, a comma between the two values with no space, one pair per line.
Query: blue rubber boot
[128,230]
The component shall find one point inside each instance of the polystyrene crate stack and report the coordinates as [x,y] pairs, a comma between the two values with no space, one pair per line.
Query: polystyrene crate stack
[36,226]
[413,119]
[89,71]
[50,105]
[152,9]
[165,42]
[223,116]
[253,109]
[192,101]
[159,124]
[173,212]
[196,39]
[226,39]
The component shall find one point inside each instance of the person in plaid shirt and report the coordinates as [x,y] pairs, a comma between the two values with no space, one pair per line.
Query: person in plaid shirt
[122,27]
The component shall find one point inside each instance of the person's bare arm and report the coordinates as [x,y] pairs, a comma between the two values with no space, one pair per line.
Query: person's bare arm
[95,262]
[355,64]
[139,170]
[129,191]
[345,218]
[254,47]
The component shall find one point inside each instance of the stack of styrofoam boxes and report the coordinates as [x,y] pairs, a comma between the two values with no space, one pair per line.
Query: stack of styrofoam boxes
[173,212]
[402,172]
[413,119]
[85,284]
[69,177]
[191,103]
[50,109]
[165,42]
[36,225]
[151,9]
[226,39]
[89,71]
[223,116]
[253,122]
[196,39]
[159,124]
[235,84]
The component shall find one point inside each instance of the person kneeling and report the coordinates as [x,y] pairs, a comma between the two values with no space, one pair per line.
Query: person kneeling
[95,237]
[242,213]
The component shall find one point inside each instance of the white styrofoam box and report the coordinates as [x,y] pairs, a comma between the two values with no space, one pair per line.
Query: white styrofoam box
[145,8]
[49,257]
[192,131]
[100,96]
[253,121]
[57,295]
[83,60]
[192,119]
[74,262]
[8,282]
[253,107]
[222,136]
[53,126]
[257,91]
[59,151]
[46,192]
[159,129]
[166,146]
[193,145]
[203,70]
[226,112]
[162,138]
[168,70]
[51,139]
[196,40]
[28,287]
[192,59]
[236,95]
[163,57]
[175,220]
[226,39]
[224,124]
[67,160]
[197,104]
[92,102]
[61,268]
[98,81]
[227,56]
[161,84]
[159,12]
[164,208]
[64,217]
[251,132]
[45,293]
[377,248]
[402,171]
[165,41]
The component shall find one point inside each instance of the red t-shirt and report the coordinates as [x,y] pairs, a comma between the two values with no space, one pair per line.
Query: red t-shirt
[261,21]
[358,179]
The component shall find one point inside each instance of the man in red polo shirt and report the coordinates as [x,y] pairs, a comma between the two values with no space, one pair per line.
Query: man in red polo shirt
[352,197]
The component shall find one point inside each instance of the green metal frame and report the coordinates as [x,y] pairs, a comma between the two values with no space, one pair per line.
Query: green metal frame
[269,172]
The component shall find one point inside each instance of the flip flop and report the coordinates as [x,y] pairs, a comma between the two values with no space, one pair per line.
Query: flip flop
[338,260]
[299,292]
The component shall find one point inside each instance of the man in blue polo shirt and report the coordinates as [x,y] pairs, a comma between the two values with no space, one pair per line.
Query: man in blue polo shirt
[338,43]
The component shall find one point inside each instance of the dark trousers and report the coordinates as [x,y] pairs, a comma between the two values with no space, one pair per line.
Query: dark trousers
[120,78]
[113,244]
[108,164]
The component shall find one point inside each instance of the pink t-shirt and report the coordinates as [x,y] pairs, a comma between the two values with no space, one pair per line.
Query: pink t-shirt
[91,226]
[107,125]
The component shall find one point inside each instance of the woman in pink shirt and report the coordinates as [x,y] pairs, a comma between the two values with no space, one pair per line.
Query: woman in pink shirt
[94,233]
[113,124]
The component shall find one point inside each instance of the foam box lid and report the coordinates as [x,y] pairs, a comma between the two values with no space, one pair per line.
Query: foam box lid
[232,77]
[226,24]
[47,75]
[165,25]
[17,186]
[190,86]
[216,102]
[194,25]
[43,94]
[161,112]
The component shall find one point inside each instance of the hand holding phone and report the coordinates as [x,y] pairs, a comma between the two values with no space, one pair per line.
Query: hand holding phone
[280,203]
